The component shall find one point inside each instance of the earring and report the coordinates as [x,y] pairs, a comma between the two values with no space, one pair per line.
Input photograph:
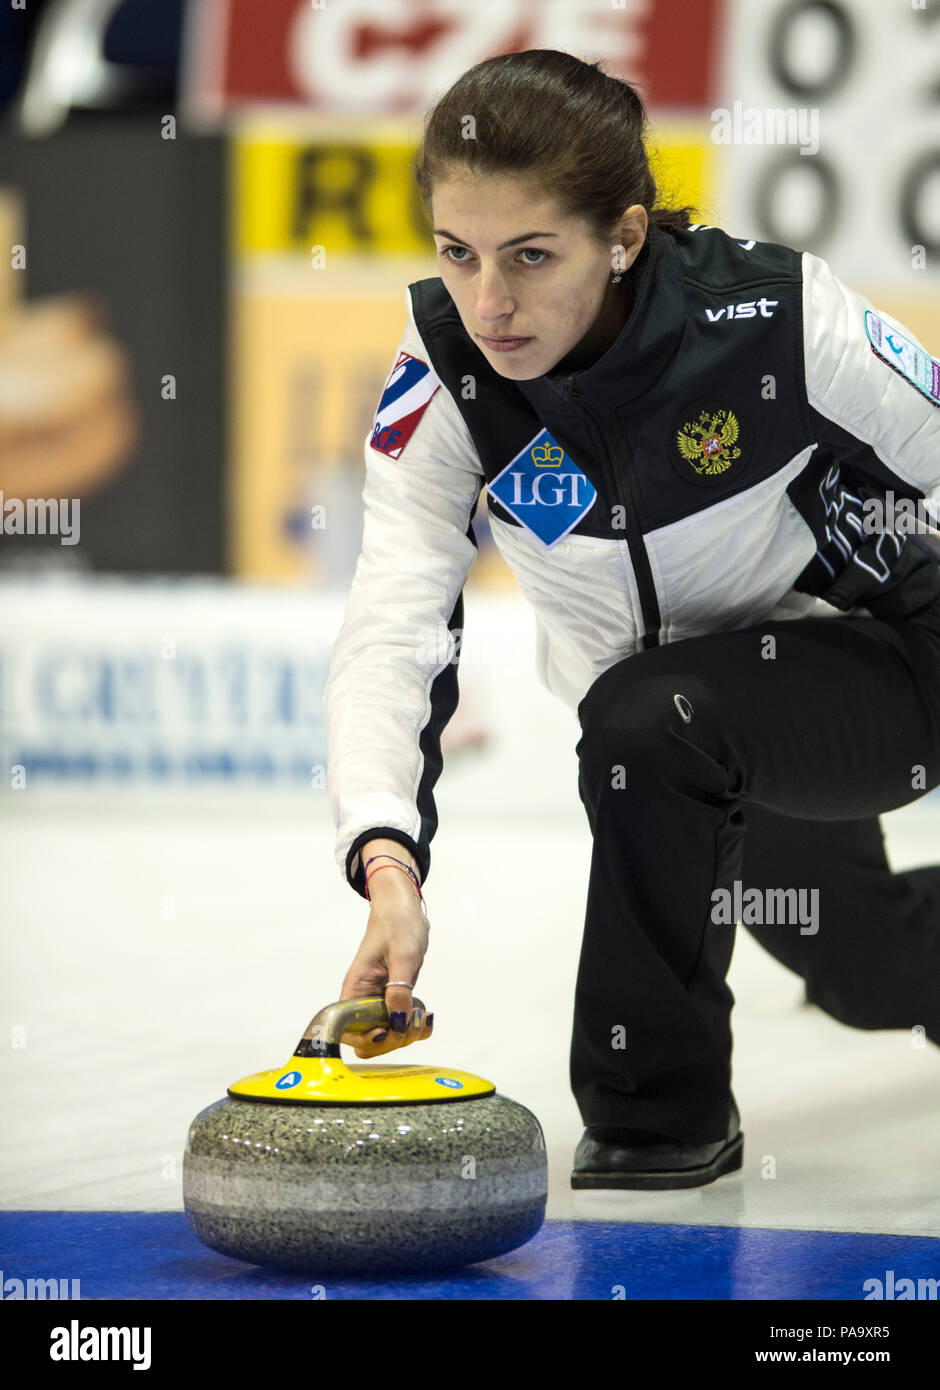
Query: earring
[615,279]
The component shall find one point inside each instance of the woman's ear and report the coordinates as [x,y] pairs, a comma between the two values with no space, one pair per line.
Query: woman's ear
[633,227]
[628,238]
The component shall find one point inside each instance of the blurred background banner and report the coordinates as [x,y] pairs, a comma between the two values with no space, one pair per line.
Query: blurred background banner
[326,232]
[207,224]
[375,57]
[855,85]
[169,685]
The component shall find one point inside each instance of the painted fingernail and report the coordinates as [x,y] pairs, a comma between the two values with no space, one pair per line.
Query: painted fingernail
[380,1037]
[430,1020]
[398,1022]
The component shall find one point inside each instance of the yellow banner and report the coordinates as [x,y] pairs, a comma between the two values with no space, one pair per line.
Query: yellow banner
[358,197]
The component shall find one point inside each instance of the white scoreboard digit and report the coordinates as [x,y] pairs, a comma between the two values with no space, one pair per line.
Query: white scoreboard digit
[831,133]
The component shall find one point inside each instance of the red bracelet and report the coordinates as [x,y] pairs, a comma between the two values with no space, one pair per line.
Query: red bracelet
[401,870]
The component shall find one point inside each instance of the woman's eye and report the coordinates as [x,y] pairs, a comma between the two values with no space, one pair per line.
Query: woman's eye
[447,253]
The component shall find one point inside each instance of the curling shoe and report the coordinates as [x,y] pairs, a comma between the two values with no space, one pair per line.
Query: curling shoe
[608,1156]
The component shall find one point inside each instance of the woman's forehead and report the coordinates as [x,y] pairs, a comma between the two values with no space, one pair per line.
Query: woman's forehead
[497,205]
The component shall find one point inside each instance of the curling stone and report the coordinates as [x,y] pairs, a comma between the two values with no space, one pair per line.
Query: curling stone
[320,1167]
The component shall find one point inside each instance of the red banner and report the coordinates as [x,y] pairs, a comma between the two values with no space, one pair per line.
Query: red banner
[363,57]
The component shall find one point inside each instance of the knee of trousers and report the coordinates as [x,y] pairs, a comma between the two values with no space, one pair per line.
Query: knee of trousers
[856,999]
[849,1004]
[650,725]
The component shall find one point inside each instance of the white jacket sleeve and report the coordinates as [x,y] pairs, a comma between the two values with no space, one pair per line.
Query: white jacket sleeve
[869,377]
[392,684]
[874,398]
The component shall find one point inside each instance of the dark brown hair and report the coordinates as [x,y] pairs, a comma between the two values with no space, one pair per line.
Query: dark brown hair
[580,134]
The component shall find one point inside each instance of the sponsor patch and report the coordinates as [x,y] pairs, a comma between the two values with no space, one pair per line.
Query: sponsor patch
[545,489]
[904,356]
[709,442]
[408,392]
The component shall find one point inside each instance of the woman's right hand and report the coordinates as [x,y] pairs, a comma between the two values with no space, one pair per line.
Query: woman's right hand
[393,948]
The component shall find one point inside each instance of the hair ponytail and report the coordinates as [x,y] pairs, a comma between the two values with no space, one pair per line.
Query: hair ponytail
[579,133]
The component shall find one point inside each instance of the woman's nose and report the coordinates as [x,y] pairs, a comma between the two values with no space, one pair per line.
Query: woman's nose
[493,301]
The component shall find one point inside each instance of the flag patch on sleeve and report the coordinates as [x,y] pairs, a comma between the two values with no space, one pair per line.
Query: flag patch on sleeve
[905,357]
[408,392]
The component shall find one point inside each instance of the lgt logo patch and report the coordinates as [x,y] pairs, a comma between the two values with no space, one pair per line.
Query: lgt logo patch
[544,489]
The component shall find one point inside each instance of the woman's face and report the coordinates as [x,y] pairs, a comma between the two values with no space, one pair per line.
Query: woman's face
[518,268]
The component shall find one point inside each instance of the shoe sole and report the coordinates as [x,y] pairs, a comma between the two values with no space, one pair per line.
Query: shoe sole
[728,1161]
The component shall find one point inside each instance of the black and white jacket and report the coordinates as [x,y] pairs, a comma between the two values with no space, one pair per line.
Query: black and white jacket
[718,466]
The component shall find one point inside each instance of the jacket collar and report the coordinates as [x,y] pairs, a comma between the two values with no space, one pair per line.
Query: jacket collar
[645,346]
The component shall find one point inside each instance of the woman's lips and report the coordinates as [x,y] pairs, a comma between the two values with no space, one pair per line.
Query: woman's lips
[503,344]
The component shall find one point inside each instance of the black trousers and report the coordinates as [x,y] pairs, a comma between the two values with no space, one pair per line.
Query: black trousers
[758,759]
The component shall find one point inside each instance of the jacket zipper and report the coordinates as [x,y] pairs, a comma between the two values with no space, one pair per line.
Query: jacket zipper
[618,461]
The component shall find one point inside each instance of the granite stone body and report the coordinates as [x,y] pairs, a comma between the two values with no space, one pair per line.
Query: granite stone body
[365,1189]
